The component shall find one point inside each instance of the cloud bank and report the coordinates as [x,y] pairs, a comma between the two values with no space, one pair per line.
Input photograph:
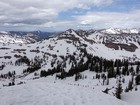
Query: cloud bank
[45,15]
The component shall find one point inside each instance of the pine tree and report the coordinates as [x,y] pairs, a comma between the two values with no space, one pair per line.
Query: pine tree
[118,70]
[137,79]
[137,69]
[107,82]
[119,90]
[127,73]
[123,71]
[131,69]
[126,89]
[96,69]
[111,72]
[100,66]
[130,85]
[123,80]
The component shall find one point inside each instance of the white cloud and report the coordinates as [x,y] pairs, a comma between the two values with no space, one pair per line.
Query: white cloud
[33,14]
[110,19]
[39,12]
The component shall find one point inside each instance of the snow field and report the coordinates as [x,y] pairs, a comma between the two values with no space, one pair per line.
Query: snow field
[40,92]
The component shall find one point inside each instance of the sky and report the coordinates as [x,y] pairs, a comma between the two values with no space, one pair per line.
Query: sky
[59,15]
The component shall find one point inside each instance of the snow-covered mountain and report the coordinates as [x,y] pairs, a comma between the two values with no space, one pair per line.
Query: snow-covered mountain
[120,31]
[101,44]
[75,43]
[23,37]
[78,65]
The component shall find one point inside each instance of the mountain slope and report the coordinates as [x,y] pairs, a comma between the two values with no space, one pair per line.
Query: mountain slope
[40,92]
[74,43]
[74,62]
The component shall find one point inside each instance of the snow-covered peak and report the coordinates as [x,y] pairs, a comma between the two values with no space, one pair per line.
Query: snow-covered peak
[12,39]
[111,31]
[134,31]
[3,32]
[120,31]
[70,31]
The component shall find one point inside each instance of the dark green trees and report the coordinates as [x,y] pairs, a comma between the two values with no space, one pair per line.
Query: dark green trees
[137,80]
[119,90]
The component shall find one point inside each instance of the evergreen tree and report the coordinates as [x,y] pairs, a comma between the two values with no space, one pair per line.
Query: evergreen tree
[130,85]
[137,69]
[78,76]
[131,69]
[111,72]
[107,82]
[126,89]
[119,90]
[123,80]
[127,73]
[137,79]
[123,71]
[96,68]
[118,70]
[100,65]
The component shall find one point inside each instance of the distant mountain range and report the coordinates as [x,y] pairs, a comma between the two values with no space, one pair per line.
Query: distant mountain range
[23,37]
[35,36]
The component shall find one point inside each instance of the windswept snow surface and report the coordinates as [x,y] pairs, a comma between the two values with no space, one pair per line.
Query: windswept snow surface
[41,92]
[132,97]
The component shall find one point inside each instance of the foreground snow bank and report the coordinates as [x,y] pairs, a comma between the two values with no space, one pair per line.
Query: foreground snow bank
[133,97]
[44,93]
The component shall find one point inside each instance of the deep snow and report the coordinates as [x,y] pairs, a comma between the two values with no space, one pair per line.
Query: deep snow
[43,92]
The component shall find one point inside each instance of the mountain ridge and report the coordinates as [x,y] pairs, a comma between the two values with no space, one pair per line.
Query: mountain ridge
[23,37]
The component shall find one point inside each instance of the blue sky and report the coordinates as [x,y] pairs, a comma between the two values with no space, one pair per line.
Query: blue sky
[118,6]
[59,15]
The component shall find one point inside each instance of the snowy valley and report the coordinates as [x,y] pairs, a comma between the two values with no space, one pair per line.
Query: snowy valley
[74,67]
